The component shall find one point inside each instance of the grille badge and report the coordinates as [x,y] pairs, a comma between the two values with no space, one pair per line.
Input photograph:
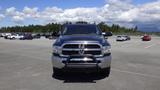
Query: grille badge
[81,47]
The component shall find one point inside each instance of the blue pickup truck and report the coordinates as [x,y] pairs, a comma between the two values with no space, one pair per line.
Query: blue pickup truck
[82,48]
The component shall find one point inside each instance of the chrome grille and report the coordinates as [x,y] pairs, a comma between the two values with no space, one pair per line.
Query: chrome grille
[81,49]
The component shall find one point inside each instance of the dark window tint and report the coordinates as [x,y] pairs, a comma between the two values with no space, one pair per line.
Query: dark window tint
[80,29]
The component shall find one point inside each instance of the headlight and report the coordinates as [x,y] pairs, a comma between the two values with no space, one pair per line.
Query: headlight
[56,49]
[106,49]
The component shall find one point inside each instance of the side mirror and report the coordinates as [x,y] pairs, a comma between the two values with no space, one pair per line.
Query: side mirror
[58,34]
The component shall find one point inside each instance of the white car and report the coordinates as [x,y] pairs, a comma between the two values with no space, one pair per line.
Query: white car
[5,34]
[15,36]
[121,38]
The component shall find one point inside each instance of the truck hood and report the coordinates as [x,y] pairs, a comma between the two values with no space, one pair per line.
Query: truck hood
[68,38]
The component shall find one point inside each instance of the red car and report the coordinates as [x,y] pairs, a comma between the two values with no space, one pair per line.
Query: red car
[146,38]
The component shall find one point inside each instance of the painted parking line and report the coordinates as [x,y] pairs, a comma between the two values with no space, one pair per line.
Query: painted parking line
[150,46]
[135,73]
[128,44]
[134,44]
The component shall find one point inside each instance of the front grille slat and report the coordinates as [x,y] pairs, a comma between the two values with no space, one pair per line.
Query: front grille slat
[92,46]
[73,49]
[93,52]
[71,46]
[69,52]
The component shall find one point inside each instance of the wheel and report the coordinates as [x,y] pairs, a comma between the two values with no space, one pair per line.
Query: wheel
[13,38]
[105,72]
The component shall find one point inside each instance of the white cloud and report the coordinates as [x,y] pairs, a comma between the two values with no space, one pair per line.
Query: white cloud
[144,13]
[18,19]
[16,16]
[1,17]
[11,11]
[53,10]
[86,14]
[114,11]
[30,12]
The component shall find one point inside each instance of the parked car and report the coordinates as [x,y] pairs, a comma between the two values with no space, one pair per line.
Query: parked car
[26,37]
[51,37]
[146,37]
[106,34]
[1,35]
[36,36]
[46,35]
[5,35]
[15,36]
[121,38]
[128,37]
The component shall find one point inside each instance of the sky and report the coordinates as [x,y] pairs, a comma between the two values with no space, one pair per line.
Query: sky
[129,13]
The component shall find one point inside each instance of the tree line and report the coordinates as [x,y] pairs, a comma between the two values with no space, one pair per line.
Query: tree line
[117,29]
[55,27]
[51,27]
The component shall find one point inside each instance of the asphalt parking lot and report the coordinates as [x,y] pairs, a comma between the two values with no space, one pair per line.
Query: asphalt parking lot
[26,65]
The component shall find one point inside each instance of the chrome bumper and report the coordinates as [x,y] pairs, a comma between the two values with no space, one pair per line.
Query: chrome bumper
[104,62]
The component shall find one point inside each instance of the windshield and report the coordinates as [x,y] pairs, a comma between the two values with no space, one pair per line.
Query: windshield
[81,29]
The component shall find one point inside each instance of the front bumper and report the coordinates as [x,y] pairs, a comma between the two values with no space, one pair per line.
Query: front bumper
[146,39]
[99,62]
